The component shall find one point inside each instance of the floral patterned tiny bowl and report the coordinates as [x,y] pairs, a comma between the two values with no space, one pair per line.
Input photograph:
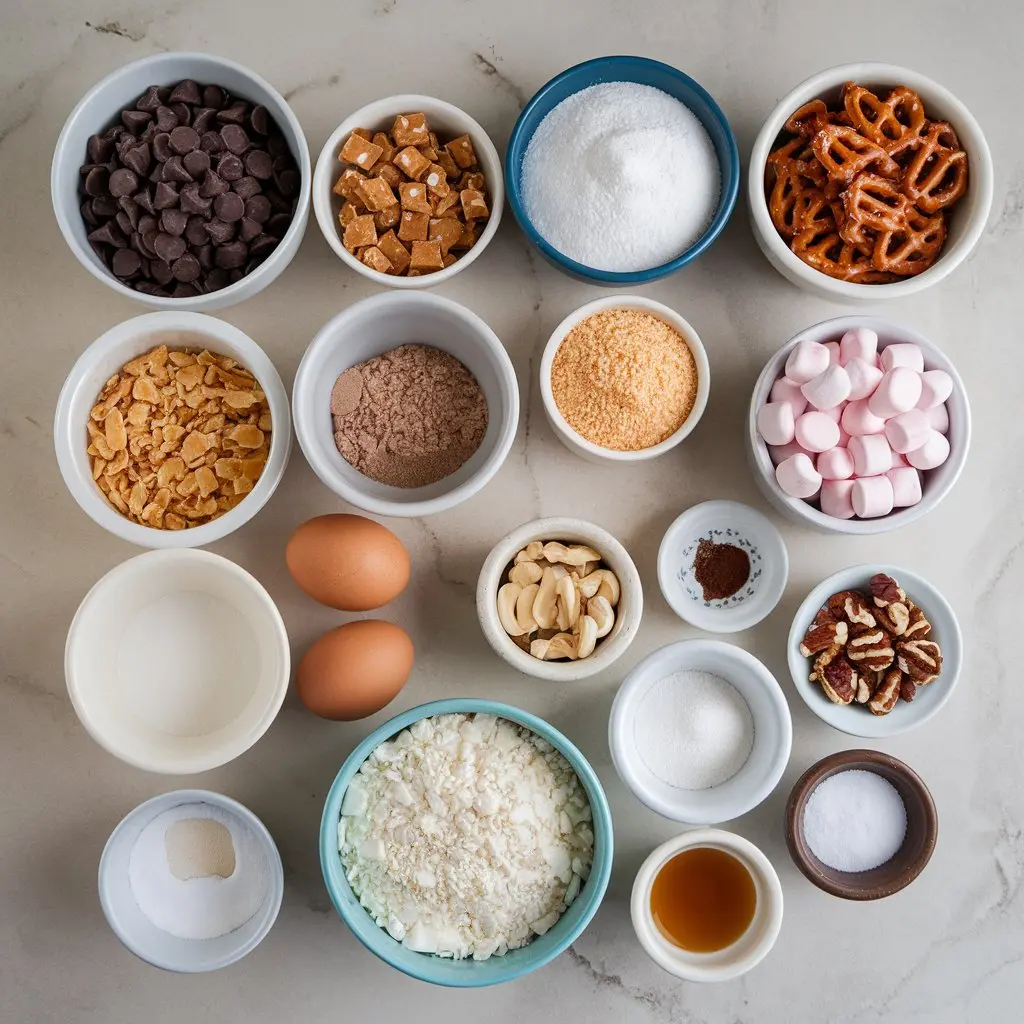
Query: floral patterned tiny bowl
[691,590]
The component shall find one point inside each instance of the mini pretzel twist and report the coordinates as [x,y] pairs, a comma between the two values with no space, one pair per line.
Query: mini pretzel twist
[885,122]
[937,173]
[845,153]
[910,250]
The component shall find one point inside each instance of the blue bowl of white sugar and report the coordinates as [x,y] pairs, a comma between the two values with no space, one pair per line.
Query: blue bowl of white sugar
[622,170]
[466,843]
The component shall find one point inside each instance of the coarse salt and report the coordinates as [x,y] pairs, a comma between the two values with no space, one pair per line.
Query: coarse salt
[854,821]
[621,177]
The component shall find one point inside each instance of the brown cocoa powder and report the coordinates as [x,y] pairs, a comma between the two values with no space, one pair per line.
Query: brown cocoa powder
[408,417]
[720,569]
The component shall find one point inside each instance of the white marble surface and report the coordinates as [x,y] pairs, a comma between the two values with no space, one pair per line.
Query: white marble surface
[949,949]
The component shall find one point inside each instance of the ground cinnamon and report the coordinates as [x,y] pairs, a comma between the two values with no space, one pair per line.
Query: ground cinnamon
[720,569]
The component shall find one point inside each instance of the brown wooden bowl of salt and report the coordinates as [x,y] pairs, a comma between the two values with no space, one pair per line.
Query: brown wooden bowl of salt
[861,824]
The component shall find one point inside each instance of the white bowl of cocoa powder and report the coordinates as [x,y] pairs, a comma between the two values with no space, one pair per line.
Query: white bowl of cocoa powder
[405,404]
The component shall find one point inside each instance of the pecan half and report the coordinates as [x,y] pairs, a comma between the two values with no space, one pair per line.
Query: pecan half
[836,675]
[824,616]
[885,590]
[919,659]
[894,617]
[852,607]
[870,648]
[888,692]
[821,638]
[908,689]
[918,627]
[867,683]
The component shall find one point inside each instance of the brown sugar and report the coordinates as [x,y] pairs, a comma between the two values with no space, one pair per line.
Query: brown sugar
[624,379]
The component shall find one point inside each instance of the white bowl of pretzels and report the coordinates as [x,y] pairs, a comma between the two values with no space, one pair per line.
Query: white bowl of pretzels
[875,650]
[869,181]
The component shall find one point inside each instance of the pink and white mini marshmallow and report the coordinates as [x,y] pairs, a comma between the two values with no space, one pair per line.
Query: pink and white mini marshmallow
[864,378]
[786,390]
[836,498]
[897,391]
[872,496]
[833,352]
[872,455]
[932,454]
[776,424]
[903,354]
[829,389]
[798,477]
[936,387]
[938,418]
[780,452]
[908,431]
[860,343]
[835,464]
[858,420]
[806,361]
[906,486]
[817,432]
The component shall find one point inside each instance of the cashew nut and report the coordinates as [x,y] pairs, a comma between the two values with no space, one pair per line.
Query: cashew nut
[508,595]
[524,573]
[587,639]
[538,648]
[568,601]
[545,605]
[533,552]
[577,554]
[561,645]
[601,582]
[599,609]
[524,607]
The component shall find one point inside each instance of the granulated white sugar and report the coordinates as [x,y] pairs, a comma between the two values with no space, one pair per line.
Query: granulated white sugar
[621,177]
[693,730]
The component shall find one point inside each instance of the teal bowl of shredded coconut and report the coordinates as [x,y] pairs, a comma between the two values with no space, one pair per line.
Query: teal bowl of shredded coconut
[621,170]
[466,843]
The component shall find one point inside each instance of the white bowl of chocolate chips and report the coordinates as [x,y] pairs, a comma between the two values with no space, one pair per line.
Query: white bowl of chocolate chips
[182,180]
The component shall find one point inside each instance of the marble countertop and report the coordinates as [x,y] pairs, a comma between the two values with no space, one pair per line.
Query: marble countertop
[950,948]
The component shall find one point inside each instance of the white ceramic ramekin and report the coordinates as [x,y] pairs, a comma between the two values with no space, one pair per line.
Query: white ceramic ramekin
[587,449]
[140,935]
[568,530]
[375,325]
[935,483]
[449,122]
[177,661]
[967,219]
[852,718]
[101,106]
[103,358]
[773,733]
[749,950]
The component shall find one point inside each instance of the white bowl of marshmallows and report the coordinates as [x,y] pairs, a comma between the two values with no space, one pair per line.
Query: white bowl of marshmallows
[859,426]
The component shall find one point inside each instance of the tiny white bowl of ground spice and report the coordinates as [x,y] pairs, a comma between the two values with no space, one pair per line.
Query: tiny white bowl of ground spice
[624,379]
[405,404]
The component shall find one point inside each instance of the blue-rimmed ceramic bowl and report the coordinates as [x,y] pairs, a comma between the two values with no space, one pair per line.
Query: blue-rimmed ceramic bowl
[467,973]
[645,72]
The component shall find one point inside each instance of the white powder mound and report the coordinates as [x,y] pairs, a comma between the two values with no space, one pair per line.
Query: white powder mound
[466,836]
[621,177]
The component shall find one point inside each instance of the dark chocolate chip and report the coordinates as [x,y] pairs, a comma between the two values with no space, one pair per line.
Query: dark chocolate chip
[161,146]
[174,170]
[108,234]
[114,132]
[138,159]
[135,120]
[161,272]
[277,146]
[192,201]
[186,268]
[214,96]
[146,287]
[123,222]
[232,255]
[229,167]
[249,229]
[105,206]
[245,187]
[148,132]
[195,231]
[259,164]
[184,113]
[277,201]
[126,262]
[149,100]
[157,174]
[166,119]
[96,182]
[260,120]
[287,181]
[263,246]
[173,222]
[235,114]
[220,231]
[187,91]
[165,196]
[169,247]
[235,138]
[147,222]
[236,275]
[217,279]
[203,119]
[184,291]
[229,207]
[145,200]
[88,216]
[278,224]
[148,243]
[184,140]
[205,255]
[257,208]
[99,148]
[213,185]
[102,251]
[211,142]
[131,208]
[196,163]
[123,182]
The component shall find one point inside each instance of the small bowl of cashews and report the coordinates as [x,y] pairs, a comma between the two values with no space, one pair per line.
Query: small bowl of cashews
[559,599]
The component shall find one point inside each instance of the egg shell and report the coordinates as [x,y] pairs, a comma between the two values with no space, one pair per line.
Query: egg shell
[355,670]
[347,562]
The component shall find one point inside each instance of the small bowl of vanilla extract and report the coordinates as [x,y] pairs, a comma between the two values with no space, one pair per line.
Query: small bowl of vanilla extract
[707,905]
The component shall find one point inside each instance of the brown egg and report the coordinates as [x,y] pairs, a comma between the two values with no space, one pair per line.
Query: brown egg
[347,562]
[354,670]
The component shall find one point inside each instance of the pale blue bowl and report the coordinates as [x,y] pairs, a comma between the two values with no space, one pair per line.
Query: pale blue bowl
[467,973]
[644,71]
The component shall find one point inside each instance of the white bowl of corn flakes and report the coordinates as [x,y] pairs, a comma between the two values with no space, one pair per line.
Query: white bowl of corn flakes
[172,430]
[408,191]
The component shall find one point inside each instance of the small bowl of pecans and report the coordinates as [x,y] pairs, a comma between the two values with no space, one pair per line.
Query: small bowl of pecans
[408,191]
[172,430]
[875,650]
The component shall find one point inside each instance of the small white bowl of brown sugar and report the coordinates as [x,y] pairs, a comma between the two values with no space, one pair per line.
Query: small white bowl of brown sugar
[624,379]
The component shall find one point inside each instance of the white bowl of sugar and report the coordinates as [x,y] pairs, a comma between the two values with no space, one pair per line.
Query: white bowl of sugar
[700,732]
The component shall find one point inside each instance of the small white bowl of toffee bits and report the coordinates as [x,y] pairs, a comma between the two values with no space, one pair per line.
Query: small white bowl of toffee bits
[408,191]
[624,379]
[172,430]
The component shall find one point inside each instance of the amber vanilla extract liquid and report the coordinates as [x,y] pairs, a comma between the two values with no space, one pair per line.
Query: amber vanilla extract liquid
[703,900]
